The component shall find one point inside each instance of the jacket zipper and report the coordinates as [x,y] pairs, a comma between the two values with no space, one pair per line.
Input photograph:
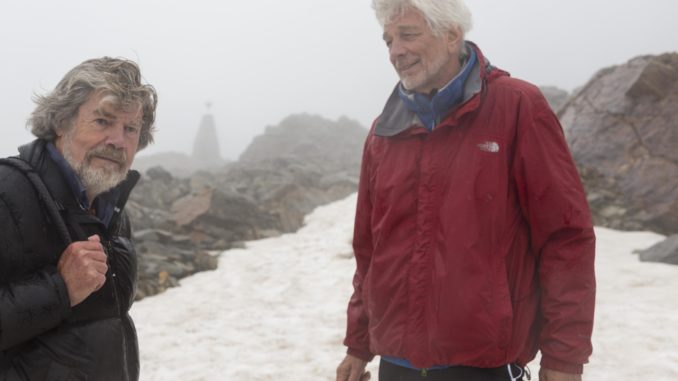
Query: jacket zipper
[114,279]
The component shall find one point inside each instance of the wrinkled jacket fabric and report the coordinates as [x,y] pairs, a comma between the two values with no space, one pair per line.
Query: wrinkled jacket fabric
[41,336]
[474,243]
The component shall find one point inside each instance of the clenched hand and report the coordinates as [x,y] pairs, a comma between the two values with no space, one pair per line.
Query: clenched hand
[83,267]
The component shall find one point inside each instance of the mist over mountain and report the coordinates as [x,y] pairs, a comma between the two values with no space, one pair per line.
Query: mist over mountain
[182,212]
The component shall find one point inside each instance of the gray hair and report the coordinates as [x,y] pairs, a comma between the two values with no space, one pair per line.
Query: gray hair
[441,15]
[116,76]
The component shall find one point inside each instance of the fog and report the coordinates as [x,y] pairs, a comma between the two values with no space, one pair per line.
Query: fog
[259,61]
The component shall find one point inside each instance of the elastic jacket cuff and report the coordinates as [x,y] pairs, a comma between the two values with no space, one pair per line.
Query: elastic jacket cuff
[363,355]
[565,367]
[62,290]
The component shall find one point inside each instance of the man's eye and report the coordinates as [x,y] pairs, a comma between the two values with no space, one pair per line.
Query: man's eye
[131,130]
[102,122]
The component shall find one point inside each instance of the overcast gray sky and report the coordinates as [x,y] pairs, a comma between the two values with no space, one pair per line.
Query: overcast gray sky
[259,61]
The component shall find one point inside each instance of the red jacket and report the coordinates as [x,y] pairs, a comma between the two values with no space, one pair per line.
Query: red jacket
[474,243]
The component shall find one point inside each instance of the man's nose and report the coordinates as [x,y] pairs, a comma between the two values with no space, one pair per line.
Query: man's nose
[116,136]
[396,49]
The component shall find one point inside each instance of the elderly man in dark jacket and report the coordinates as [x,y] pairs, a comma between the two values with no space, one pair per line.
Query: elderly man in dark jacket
[65,294]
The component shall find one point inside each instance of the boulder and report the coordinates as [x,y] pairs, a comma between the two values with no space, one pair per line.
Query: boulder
[623,126]
[664,252]
[214,217]
[164,258]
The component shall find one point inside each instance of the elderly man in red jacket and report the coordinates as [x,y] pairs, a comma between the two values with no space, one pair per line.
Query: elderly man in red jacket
[473,238]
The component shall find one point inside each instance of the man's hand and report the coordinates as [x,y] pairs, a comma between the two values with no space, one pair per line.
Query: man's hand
[553,375]
[83,267]
[352,369]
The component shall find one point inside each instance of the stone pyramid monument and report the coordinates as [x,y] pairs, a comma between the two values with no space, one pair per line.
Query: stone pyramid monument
[206,147]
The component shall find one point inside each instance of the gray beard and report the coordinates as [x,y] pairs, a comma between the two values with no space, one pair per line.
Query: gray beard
[95,180]
[98,181]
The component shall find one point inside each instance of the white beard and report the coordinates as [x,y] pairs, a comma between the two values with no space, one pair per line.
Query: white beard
[425,74]
[95,180]
[99,180]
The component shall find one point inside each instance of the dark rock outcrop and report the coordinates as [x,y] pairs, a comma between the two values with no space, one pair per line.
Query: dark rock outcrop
[164,258]
[664,252]
[214,217]
[305,162]
[289,188]
[622,128]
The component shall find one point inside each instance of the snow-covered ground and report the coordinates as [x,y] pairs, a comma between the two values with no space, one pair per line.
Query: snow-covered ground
[277,310]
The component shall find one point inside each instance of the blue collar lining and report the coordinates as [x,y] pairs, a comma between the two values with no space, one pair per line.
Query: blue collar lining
[104,204]
[430,110]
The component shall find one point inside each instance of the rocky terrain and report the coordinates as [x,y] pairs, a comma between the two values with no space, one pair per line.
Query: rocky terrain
[180,222]
[622,128]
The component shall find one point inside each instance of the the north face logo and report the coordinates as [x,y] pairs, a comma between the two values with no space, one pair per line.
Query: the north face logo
[492,147]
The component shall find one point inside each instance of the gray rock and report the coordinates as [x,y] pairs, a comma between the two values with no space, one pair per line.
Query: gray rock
[622,127]
[665,252]
[159,173]
[303,163]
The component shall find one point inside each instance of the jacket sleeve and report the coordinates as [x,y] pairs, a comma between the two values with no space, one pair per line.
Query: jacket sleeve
[357,337]
[32,304]
[553,201]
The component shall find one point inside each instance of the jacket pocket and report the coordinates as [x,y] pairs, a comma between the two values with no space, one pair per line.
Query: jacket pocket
[35,363]
[62,372]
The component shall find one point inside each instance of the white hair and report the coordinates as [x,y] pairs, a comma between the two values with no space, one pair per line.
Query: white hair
[441,15]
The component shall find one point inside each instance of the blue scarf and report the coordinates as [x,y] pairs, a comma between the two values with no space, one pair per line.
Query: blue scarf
[431,109]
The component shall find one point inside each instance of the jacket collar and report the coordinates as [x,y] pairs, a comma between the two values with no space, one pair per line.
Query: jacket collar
[430,108]
[397,117]
[72,179]
[35,153]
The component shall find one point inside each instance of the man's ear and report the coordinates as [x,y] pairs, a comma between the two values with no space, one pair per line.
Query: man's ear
[58,140]
[65,126]
[454,39]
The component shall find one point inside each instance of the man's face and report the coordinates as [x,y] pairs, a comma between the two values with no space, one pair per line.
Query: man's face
[102,141]
[422,60]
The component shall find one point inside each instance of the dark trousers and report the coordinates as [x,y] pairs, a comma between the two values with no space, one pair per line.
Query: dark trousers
[391,372]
